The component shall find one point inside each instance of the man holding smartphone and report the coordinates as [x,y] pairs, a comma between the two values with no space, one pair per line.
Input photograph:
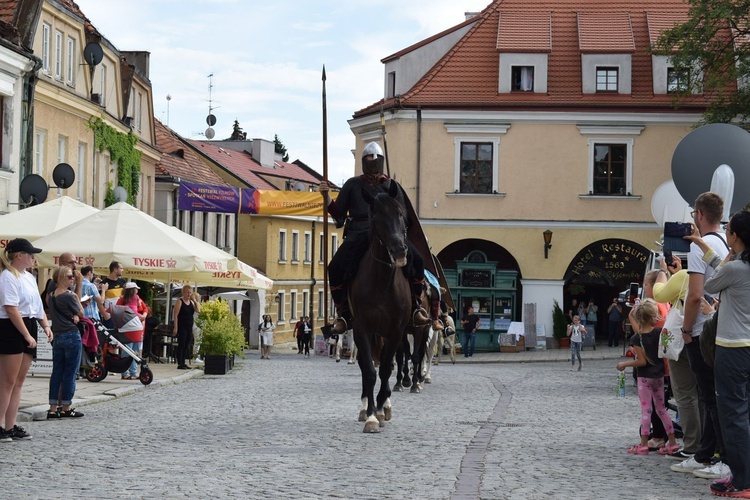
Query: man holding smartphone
[709,208]
[614,311]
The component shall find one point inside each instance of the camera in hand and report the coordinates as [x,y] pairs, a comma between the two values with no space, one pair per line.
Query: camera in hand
[668,257]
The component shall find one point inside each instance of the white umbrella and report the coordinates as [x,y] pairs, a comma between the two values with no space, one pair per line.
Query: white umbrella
[140,242]
[43,219]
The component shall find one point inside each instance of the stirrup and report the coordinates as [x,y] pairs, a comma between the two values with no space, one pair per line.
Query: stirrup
[437,324]
[337,329]
[420,317]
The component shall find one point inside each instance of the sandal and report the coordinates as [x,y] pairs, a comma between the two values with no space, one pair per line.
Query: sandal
[668,449]
[638,449]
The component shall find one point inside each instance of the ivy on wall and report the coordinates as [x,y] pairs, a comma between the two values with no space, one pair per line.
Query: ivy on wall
[123,153]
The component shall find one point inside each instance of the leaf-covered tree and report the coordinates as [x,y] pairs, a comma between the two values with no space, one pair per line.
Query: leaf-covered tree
[711,54]
[279,148]
[237,133]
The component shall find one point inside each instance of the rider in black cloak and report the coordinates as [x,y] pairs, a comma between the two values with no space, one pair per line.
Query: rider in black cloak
[350,211]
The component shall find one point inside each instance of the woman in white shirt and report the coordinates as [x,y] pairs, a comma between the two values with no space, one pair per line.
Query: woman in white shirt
[21,309]
[266,333]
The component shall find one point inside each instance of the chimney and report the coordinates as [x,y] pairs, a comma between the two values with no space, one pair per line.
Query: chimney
[263,152]
[470,15]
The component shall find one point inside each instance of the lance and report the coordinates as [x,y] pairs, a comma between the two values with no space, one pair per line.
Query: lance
[325,204]
[385,141]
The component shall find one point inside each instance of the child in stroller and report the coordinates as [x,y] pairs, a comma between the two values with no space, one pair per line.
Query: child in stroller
[114,355]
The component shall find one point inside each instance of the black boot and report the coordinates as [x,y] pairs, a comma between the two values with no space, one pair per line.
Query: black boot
[343,321]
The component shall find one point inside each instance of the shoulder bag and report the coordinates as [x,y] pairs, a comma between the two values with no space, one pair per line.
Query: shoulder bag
[670,340]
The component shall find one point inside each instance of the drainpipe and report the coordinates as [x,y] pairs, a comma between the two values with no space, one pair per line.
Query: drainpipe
[27,118]
[419,155]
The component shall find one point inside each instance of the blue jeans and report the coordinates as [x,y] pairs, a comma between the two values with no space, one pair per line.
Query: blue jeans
[135,347]
[469,338]
[575,350]
[66,360]
[732,377]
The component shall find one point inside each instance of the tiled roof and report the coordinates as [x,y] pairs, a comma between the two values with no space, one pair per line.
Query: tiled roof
[467,76]
[524,32]
[180,161]
[242,164]
[73,7]
[608,32]
[7,9]
[658,22]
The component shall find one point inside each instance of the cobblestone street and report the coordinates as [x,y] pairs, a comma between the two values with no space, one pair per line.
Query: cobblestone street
[286,428]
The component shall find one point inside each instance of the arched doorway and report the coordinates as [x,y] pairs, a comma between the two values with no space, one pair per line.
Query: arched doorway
[485,276]
[600,271]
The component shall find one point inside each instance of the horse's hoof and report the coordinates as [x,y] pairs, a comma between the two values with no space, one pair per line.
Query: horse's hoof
[388,413]
[398,388]
[406,383]
[453,361]
[362,416]
[415,389]
[371,427]
[381,418]
[338,360]
[428,381]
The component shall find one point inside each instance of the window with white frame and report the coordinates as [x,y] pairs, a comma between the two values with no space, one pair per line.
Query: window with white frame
[58,54]
[81,170]
[40,138]
[522,78]
[610,167]
[477,172]
[295,246]
[321,246]
[227,231]
[103,85]
[280,311]
[46,31]
[282,245]
[138,110]
[307,247]
[62,146]
[321,303]
[305,303]
[607,78]
[219,232]
[334,244]
[71,66]
[293,305]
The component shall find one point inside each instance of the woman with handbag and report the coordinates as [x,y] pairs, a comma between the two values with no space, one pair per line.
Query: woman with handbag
[732,357]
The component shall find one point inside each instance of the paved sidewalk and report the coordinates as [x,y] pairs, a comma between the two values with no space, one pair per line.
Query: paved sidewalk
[35,395]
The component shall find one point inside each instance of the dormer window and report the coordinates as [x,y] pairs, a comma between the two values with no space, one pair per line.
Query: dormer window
[677,81]
[606,79]
[522,78]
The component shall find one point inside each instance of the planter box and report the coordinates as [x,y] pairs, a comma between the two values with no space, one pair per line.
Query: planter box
[519,347]
[564,342]
[217,364]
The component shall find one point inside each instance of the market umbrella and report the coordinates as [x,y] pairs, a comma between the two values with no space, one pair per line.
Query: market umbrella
[43,219]
[140,242]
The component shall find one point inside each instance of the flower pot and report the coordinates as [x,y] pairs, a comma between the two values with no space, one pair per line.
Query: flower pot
[217,364]
[564,342]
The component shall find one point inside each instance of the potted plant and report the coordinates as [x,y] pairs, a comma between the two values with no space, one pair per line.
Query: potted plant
[560,326]
[222,336]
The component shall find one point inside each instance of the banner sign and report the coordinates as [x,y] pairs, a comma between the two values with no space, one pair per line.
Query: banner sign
[204,198]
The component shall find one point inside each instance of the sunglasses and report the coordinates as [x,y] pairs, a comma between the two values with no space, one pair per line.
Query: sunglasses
[70,276]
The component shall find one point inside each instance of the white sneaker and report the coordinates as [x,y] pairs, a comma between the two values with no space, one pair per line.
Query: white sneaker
[688,465]
[718,470]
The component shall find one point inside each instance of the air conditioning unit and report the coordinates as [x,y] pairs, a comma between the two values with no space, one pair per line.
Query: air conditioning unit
[97,98]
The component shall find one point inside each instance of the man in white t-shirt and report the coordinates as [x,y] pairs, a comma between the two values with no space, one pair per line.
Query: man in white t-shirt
[709,208]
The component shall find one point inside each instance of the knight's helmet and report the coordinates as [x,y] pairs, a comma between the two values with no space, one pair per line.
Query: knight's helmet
[369,165]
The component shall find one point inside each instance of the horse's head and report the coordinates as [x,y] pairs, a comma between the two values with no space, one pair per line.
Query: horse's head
[388,223]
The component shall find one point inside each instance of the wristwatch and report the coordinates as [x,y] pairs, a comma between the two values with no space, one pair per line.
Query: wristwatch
[689,332]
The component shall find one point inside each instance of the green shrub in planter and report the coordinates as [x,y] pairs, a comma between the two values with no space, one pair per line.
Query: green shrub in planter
[221,330]
[559,322]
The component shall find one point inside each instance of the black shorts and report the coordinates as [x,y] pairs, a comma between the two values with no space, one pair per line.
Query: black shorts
[12,341]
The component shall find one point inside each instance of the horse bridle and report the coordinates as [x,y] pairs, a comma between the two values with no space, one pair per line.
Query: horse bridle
[391,264]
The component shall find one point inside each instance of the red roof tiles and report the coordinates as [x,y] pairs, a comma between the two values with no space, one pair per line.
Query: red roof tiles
[242,165]
[467,76]
[524,32]
[658,22]
[179,161]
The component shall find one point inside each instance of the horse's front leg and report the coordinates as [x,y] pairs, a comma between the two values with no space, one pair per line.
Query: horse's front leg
[452,345]
[416,362]
[384,409]
[369,376]
[398,387]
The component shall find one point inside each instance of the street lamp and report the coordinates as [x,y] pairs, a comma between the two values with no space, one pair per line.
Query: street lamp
[547,242]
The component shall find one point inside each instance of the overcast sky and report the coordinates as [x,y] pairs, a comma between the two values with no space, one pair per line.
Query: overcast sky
[266,59]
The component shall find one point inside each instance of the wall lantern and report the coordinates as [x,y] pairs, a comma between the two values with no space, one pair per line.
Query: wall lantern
[547,242]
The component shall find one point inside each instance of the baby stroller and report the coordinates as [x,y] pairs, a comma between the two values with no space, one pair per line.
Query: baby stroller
[115,356]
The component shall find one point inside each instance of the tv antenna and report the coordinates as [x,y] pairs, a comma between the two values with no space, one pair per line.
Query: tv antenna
[169,98]
[210,119]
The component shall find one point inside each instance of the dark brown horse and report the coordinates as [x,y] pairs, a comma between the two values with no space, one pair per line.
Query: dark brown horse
[379,298]
[413,348]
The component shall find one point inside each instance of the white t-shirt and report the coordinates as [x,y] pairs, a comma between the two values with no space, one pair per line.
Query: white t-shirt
[696,265]
[20,292]
[575,335]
